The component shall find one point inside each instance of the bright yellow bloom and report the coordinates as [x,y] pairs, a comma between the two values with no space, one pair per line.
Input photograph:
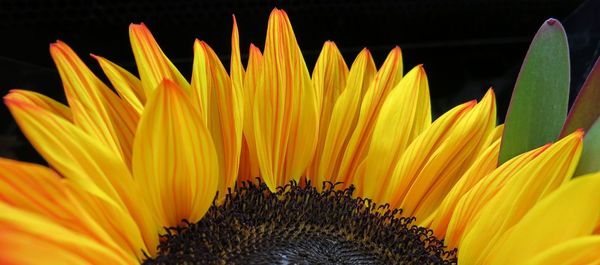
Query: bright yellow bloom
[124,166]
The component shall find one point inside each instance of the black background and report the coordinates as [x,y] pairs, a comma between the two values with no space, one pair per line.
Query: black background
[465,46]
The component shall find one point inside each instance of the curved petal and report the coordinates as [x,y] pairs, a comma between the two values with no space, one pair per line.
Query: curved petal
[533,182]
[386,79]
[578,251]
[152,64]
[249,167]
[285,107]
[329,80]
[96,109]
[173,151]
[344,116]
[28,238]
[89,165]
[43,102]
[221,109]
[569,212]
[127,85]
[404,115]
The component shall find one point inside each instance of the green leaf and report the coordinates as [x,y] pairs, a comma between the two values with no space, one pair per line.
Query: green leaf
[538,106]
[590,157]
[585,111]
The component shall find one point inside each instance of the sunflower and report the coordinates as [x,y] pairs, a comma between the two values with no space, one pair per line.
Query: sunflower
[269,164]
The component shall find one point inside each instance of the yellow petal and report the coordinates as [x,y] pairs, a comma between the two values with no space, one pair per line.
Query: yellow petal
[127,85]
[329,80]
[222,111]
[483,165]
[450,159]
[152,64]
[235,65]
[173,151]
[89,165]
[567,213]
[28,238]
[43,102]
[404,115]
[344,116]
[459,218]
[40,190]
[285,107]
[579,251]
[96,109]
[249,160]
[386,79]
[526,187]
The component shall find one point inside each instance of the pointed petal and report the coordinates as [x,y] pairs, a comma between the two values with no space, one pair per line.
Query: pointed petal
[404,115]
[89,165]
[344,116]
[173,151]
[222,110]
[127,85]
[153,65]
[28,238]
[285,107]
[567,213]
[531,184]
[236,67]
[96,109]
[40,190]
[481,167]
[450,159]
[579,251]
[329,80]
[43,102]
[470,203]
[251,84]
[386,79]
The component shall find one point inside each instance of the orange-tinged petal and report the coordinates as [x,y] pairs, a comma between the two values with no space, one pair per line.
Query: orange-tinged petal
[419,150]
[43,102]
[386,79]
[249,160]
[89,165]
[449,160]
[285,107]
[569,212]
[579,251]
[404,115]
[221,109]
[526,187]
[329,80]
[127,85]
[173,151]
[344,116]
[484,164]
[28,238]
[236,69]
[153,65]
[96,109]
[458,218]
[40,190]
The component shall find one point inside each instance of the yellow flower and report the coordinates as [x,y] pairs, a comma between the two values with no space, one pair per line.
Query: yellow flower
[142,168]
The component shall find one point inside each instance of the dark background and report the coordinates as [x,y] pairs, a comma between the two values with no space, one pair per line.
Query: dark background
[465,46]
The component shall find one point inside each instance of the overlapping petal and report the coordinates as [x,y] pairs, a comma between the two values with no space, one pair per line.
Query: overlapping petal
[221,109]
[90,166]
[174,157]
[520,193]
[285,107]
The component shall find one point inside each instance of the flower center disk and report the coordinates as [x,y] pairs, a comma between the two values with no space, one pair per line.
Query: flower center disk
[300,224]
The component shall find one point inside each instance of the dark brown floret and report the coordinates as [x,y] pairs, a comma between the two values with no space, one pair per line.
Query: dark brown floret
[300,225]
